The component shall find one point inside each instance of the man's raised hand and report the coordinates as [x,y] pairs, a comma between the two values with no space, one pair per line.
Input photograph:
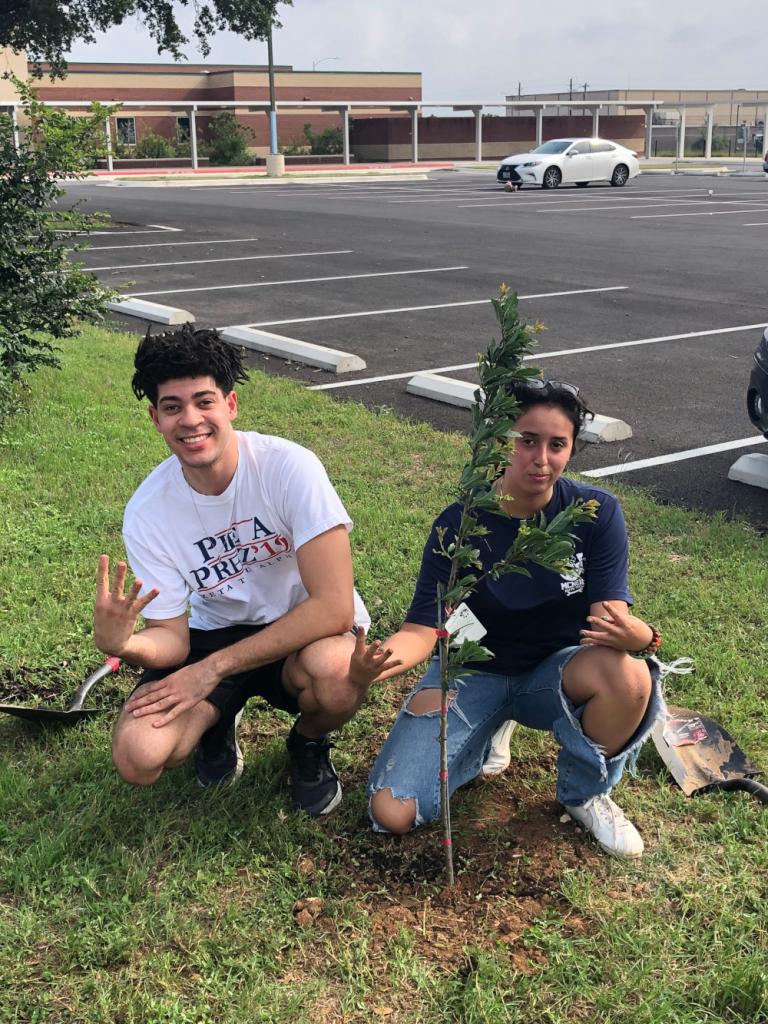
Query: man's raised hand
[117,610]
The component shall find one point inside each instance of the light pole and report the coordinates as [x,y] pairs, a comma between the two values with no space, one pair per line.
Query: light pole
[744,136]
[321,61]
[275,160]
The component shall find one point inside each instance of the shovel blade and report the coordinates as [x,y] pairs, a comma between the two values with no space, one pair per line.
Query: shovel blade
[698,751]
[43,715]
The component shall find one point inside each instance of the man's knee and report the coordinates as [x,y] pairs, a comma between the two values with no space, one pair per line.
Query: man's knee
[319,673]
[139,754]
[393,815]
[133,771]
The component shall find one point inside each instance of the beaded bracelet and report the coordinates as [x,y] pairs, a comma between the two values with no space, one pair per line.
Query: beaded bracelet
[652,647]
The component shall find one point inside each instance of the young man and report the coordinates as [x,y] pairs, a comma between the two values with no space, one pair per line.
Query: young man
[244,532]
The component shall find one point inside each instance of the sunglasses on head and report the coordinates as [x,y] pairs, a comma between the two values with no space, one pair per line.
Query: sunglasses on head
[542,384]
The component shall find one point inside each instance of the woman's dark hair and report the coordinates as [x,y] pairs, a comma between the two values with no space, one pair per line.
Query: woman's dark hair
[563,396]
[185,352]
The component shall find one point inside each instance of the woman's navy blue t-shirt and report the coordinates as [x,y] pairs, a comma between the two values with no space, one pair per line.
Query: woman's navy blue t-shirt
[529,618]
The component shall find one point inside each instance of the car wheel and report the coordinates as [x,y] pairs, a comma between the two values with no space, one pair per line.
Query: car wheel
[620,175]
[581,184]
[755,409]
[552,178]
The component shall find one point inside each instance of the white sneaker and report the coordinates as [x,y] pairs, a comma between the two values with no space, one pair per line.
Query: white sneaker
[499,757]
[605,820]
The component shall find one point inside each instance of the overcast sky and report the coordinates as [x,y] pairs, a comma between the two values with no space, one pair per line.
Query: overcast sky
[482,49]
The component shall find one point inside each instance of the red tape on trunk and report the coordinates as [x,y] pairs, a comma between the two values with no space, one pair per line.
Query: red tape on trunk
[447,842]
[442,633]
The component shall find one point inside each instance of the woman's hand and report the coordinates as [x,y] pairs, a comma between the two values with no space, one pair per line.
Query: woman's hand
[369,660]
[616,627]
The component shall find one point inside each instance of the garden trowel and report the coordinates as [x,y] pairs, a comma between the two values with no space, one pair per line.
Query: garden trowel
[702,756]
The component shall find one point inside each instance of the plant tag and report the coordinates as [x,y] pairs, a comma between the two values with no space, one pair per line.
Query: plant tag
[463,625]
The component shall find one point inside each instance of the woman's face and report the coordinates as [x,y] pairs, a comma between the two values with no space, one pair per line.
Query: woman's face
[540,456]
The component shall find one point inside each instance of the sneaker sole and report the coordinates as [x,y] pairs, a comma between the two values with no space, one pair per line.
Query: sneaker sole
[314,812]
[334,802]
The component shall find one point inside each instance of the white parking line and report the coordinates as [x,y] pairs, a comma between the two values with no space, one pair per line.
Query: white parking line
[676,202]
[228,259]
[607,202]
[662,460]
[566,196]
[756,224]
[151,229]
[701,213]
[649,341]
[159,245]
[550,355]
[299,280]
[440,305]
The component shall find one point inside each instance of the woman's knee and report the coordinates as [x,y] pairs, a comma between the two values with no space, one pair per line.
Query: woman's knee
[611,674]
[393,815]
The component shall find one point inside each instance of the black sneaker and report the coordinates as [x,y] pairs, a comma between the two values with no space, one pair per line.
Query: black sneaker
[218,757]
[315,786]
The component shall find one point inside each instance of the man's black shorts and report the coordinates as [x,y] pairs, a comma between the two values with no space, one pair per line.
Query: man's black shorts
[233,691]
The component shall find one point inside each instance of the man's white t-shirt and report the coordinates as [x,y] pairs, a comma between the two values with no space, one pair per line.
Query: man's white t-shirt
[231,557]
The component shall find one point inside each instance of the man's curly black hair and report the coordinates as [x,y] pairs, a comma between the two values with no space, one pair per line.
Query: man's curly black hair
[185,352]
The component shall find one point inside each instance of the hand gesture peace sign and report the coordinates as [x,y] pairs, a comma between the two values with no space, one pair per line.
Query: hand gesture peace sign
[117,610]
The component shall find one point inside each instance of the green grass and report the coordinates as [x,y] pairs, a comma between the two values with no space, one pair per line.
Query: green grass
[176,905]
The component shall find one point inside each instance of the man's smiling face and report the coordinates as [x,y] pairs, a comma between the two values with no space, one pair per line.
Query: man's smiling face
[195,418]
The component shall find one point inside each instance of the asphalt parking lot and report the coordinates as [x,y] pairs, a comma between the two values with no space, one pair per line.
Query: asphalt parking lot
[653,295]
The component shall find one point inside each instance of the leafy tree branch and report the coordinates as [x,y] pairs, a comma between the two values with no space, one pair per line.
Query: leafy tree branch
[548,544]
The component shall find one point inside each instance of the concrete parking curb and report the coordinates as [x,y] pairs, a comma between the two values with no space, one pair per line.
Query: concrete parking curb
[462,393]
[291,348]
[750,469]
[153,311]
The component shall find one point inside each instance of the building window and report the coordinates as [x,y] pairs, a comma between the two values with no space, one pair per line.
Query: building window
[126,130]
[182,128]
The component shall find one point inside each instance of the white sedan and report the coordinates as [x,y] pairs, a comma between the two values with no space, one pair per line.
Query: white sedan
[570,161]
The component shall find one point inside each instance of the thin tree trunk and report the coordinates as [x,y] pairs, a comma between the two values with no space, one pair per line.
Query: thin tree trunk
[445,799]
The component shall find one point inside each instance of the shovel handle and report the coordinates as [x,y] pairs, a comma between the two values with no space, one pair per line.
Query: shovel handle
[748,785]
[110,665]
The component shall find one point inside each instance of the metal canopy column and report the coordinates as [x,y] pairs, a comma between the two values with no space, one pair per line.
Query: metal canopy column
[649,111]
[344,111]
[710,117]
[191,113]
[595,121]
[415,135]
[681,136]
[478,112]
[539,125]
[108,132]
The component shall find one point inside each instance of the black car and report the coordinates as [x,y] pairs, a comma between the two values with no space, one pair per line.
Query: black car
[765,162]
[757,396]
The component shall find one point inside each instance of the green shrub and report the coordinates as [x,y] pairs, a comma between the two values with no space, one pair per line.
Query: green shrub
[327,141]
[153,147]
[228,140]
[43,294]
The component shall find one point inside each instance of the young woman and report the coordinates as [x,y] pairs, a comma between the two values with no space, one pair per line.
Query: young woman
[569,656]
